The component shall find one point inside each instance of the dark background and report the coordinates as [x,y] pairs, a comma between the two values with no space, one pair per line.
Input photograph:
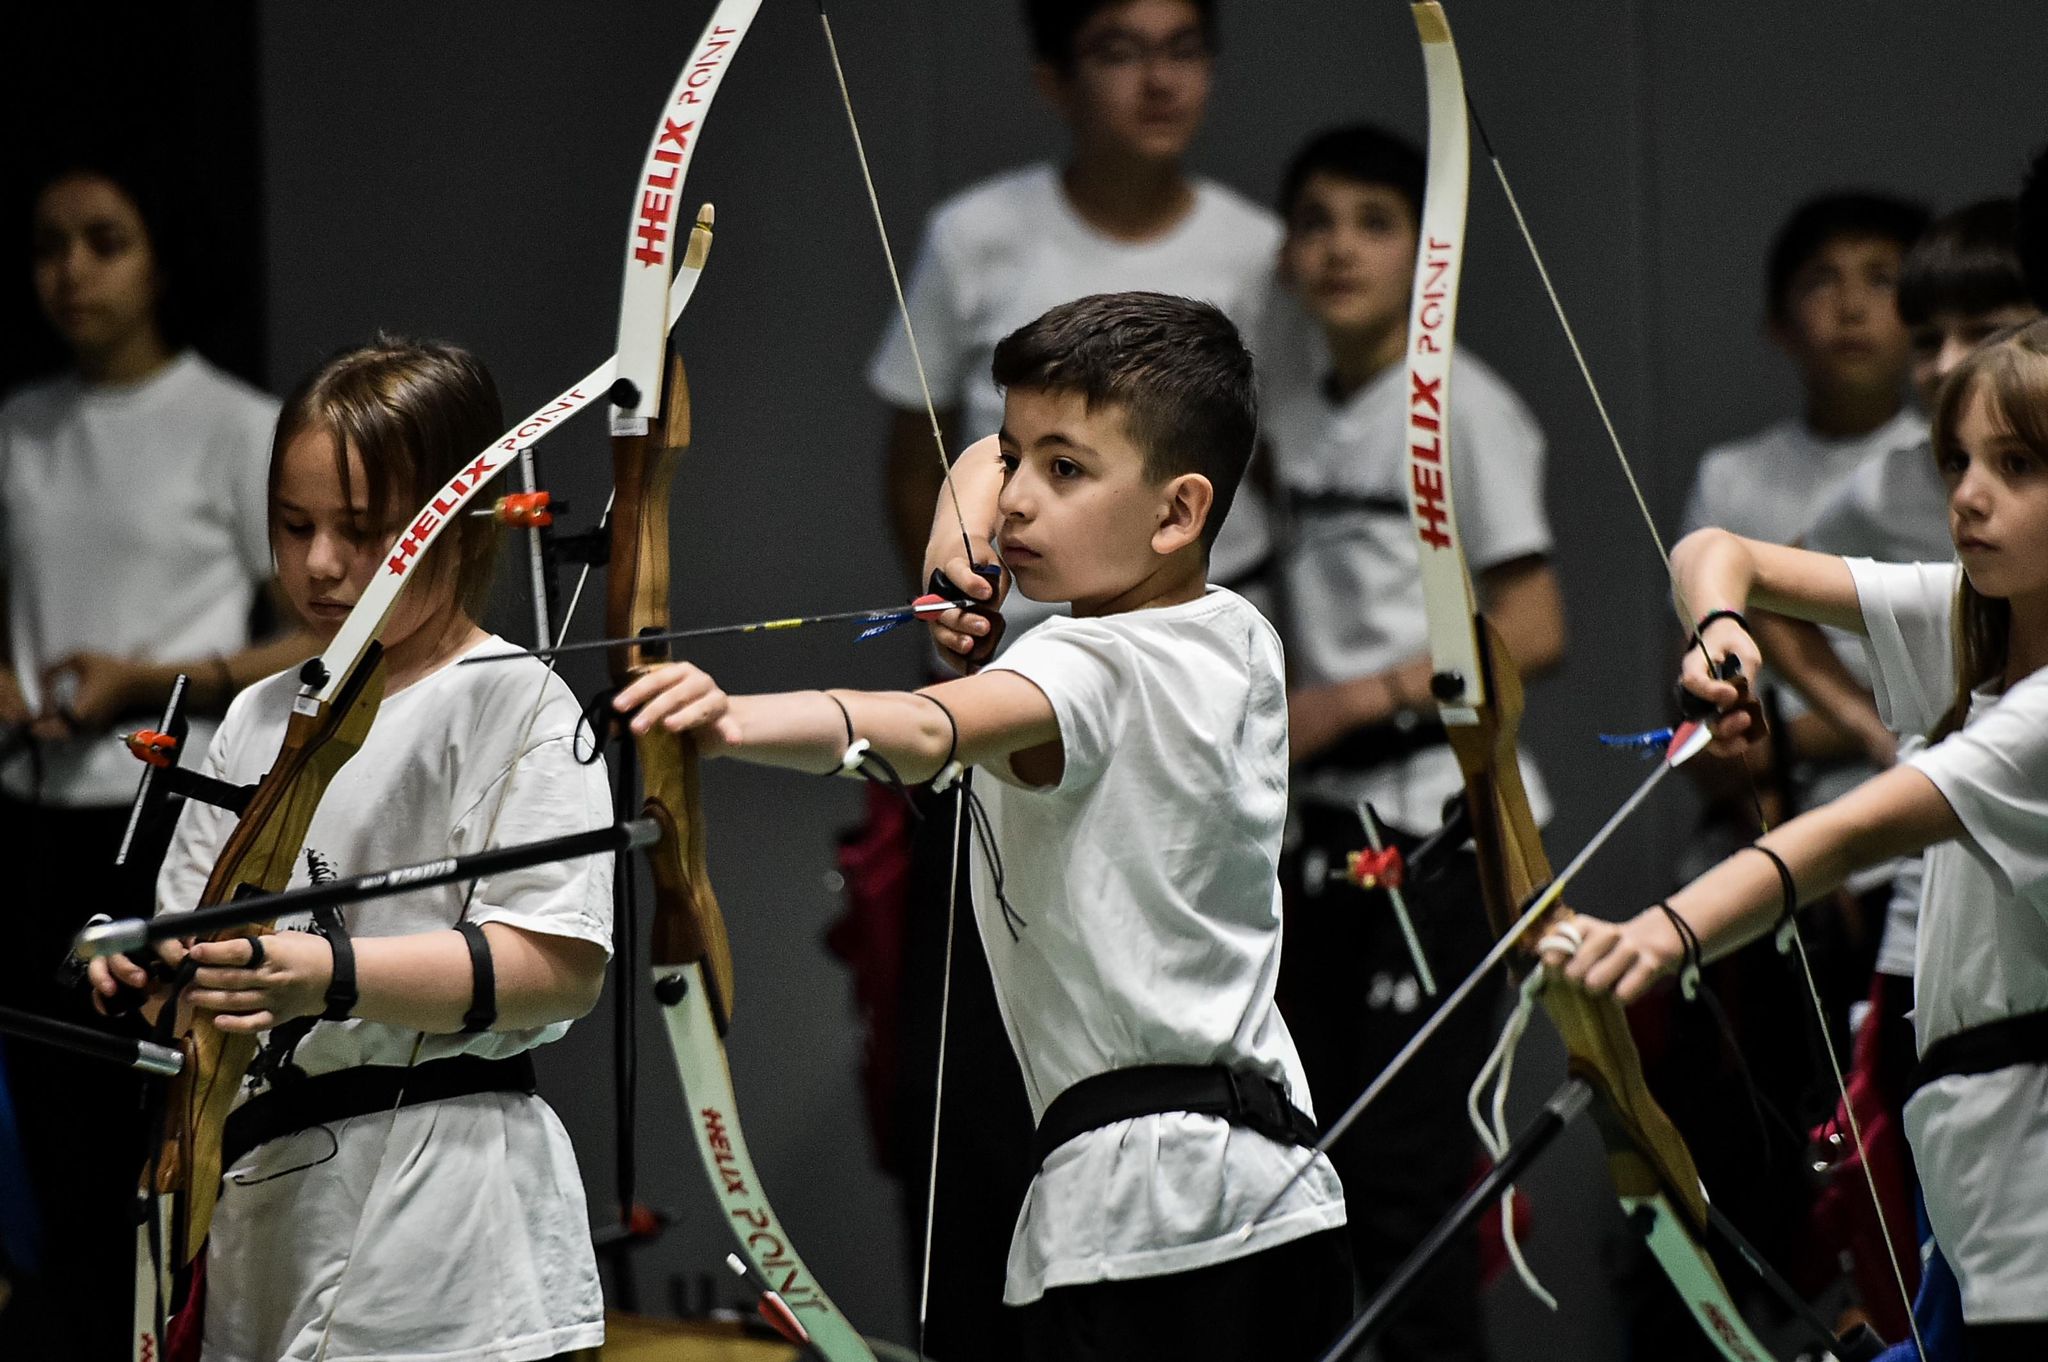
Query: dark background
[464,172]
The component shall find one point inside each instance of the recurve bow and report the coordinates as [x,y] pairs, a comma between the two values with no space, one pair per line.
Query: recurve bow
[691,957]
[338,700]
[1479,698]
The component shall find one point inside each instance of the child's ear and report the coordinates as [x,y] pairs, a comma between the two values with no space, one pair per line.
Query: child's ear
[1183,513]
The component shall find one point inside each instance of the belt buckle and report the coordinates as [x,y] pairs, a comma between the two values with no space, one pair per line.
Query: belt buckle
[1264,1104]
[1238,1104]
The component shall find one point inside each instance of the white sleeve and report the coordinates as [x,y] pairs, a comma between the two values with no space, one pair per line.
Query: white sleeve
[1906,609]
[1994,774]
[1499,452]
[547,792]
[936,305]
[1085,670]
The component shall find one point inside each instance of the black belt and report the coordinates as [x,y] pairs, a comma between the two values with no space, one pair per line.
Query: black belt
[1239,1097]
[323,1099]
[1376,745]
[1984,1049]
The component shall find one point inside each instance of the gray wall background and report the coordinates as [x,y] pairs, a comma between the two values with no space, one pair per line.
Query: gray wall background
[463,171]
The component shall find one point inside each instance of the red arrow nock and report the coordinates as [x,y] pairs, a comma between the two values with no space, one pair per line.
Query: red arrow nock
[523,510]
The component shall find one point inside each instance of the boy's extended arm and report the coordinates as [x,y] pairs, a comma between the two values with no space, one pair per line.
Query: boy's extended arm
[998,715]
[975,720]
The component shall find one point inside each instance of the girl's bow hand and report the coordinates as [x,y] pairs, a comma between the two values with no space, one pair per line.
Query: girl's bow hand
[1621,959]
[253,983]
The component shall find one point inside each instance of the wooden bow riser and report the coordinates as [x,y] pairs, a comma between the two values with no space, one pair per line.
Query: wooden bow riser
[1645,1154]
[692,959]
[258,858]
[689,927]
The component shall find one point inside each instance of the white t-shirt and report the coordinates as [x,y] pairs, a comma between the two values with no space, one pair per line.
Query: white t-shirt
[461,1223]
[1353,583]
[133,521]
[1147,882]
[1002,252]
[1980,1141]
[1766,486]
[1893,508]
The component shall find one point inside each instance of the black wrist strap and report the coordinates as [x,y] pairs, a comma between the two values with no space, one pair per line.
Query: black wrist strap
[341,985]
[1712,615]
[1788,918]
[483,980]
[949,769]
[1689,943]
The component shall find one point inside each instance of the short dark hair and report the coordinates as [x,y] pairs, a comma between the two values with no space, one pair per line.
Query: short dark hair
[1053,25]
[416,411]
[1363,153]
[1968,262]
[1851,214]
[145,187]
[1177,367]
[2032,236]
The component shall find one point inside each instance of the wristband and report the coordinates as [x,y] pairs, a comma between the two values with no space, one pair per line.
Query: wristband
[856,751]
[1713,615]
[949,770]
[1788,921]
[1689,945]
[341,985]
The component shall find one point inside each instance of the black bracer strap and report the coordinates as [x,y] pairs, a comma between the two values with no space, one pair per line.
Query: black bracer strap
[1239,1097]
[341,985]
[483,980]
[325,1099]
[1984,1049]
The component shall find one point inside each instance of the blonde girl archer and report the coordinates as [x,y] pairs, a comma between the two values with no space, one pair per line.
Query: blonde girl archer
[1957,653]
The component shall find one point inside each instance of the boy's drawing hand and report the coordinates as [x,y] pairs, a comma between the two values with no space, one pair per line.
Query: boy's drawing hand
[967,637]
[683,698]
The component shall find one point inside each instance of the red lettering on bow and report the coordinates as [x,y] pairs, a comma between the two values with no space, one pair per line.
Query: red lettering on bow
[1424,393]
[657,204]
[1432,516]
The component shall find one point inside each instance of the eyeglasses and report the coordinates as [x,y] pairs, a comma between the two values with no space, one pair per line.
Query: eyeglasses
[1122,53]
